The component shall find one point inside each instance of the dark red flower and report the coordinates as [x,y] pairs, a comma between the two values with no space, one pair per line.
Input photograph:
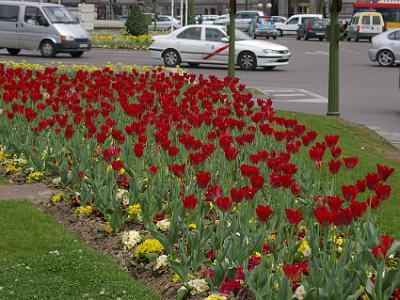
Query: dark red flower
[240,273]
[349,192]
[372,179]
[361,185]
[384,171]
[323,215]
[253,262]
[178,169]
[387,241]
[295,188]
[358,208]
[197,158]
[292,273]
[334,166]
[153,169]
[173,151]
[383,191]
[350,162]
[117,165]
[263,212]
[336,151]
[294,216]
[309,137]
[231,153]
[214,192]
[379,251]
[331,140]
[203,178]
[334,203]
[230,287]
[224,203]
[138,149]
[190,202]
[257,182]
[248,170]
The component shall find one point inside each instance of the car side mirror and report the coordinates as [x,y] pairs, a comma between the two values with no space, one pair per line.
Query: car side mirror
[225,40]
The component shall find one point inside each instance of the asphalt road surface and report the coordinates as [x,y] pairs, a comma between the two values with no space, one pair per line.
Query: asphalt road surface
[369,94]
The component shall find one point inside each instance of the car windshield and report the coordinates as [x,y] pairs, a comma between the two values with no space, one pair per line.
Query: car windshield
[239,35]
[59,14]
[322,24]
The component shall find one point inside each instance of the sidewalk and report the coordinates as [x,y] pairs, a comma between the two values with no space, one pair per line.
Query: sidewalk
[37,192]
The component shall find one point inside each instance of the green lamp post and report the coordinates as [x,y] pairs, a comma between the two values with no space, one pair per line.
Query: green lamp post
[231,34]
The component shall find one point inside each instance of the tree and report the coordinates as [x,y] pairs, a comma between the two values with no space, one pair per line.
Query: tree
[136,24]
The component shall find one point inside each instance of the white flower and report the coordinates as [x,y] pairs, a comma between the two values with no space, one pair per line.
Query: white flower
[130,238]
[163,225]
[198,286]
[57,181]
[300,293]
[162,261]
[55,253]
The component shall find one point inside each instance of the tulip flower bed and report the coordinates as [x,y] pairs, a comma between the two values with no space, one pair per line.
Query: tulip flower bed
[233,198]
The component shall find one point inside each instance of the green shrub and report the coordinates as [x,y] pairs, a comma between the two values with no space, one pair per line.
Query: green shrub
[136,24]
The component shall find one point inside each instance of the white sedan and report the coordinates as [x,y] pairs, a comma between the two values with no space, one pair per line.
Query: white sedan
[208,44]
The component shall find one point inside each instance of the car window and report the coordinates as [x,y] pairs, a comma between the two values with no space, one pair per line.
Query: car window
[163,19]
[253,14]
[192,33]
[376,20]
[394,36]
[365,20]
[293,21]
[356,20]
[213,34]
[238,15]
[9,13]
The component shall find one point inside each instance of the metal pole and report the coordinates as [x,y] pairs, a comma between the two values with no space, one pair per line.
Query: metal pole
[231,33]
[181,13]
[186,12]
[172,15]
[333,89]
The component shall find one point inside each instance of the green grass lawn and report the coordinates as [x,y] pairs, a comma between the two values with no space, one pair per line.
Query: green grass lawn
[371,149]
[3,181]
[28,270]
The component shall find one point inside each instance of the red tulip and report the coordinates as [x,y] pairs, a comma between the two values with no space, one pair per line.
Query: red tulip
[153,169]
[331,140]
[263,212]
[349,192]
[379,251]
[294,216]
[203,178]
[224,203]
[190,202]
[350,162]
[384,171]
[138,149]
[334,166]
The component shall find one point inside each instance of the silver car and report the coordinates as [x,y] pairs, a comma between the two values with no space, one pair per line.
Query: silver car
[385,48]
[40,26]
[164,23]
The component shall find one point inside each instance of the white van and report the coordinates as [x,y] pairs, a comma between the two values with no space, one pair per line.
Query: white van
[293,23]
[47,27]
[365,25]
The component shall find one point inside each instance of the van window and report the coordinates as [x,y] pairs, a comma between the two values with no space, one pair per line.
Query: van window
[356,20]
[376,20]
[293,21]
[365,20]
[9,13]
[59,14]
[34,16]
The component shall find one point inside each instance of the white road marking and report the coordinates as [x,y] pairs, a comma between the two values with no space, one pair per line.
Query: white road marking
[311,100]
[289,95]
[293,95]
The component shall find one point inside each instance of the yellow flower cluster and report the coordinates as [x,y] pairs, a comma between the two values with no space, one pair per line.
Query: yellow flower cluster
[216,297]
[57,197]
[192,226]
[3,155]
[134,210]
[35,177]
[149,246]
[304,248]
[12,169]
[85,209]
[108,229]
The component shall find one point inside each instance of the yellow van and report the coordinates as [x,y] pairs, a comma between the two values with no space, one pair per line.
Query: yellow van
[365,25]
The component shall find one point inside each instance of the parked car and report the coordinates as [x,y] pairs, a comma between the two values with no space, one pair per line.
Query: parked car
[206,19]
[50,28]
[208,44]
[385,48]
[262,27]
[165,23]
[365,25]
[278,19]
[313,29]
[222,20]
[243,18]
[293,23]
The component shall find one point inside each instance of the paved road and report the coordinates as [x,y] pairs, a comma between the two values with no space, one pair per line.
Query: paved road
[369,94]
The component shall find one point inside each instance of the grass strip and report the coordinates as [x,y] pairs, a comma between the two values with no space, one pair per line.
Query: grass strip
[41,260]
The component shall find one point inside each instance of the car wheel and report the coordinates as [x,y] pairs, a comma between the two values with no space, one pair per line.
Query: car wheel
[194,65]
[385,58]
[247,61]
[76,54]
[280,32]
[269,68]
[321,39]
[13,51]
[171,58]
[267,37]
[47,49]
[274,37]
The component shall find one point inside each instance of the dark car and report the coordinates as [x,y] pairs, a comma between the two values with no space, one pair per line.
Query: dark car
[312,30]
[261,26]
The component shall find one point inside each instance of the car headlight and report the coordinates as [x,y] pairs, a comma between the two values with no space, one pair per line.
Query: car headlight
[268,51]
[66,38]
